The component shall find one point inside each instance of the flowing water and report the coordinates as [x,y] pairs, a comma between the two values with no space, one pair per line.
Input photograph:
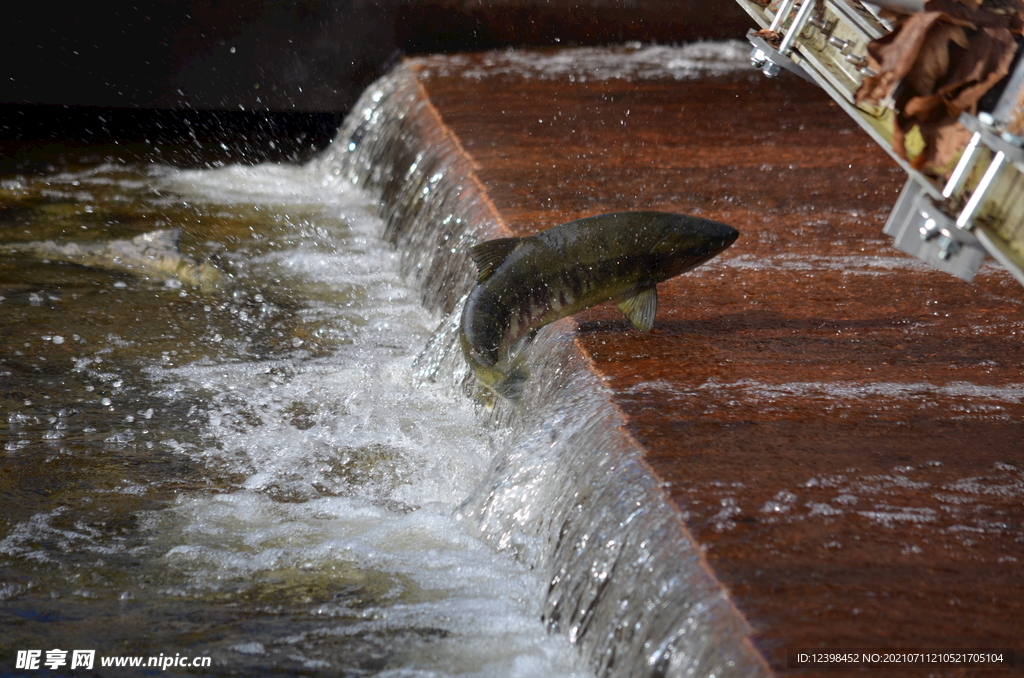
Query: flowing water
[287,476]
[255,476]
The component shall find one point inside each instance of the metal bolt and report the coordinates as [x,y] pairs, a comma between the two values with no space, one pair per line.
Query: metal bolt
[929,228]
[844,46]
[1012,139]
[758,57]
[771,69]
[819,21]
[947,247]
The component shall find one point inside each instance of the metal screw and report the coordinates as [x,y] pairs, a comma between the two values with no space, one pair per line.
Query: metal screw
[929,228]
[758,57]
[947,247]
[818,20]
[1012,139]
[844,46]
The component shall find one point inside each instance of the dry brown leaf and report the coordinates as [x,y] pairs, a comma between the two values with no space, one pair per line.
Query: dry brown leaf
[937,64]
[943,140]
[987,61]
[932,63]
[895,55]
[769,36]
[989,13]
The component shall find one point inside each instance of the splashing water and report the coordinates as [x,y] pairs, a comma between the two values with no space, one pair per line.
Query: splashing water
[256,477]
[288,477]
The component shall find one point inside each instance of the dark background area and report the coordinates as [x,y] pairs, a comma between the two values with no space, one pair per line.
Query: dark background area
[265,79]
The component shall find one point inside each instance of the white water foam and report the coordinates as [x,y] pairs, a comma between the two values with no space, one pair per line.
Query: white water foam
[349,462]
[630,62]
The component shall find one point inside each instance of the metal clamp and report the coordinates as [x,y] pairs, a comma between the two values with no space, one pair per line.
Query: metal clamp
[771,61]
[922,229]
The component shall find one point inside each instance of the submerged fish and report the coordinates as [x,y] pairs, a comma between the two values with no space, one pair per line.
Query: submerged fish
[527,283]
[154,255]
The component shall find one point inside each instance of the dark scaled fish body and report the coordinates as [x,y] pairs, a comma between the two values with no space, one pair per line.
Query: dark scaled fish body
[527,283]
[154,255]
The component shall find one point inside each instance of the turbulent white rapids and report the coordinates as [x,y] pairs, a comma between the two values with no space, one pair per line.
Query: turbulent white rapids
[318,527]
[351,464]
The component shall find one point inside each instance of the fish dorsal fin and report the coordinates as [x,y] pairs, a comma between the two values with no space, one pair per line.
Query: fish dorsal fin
[488,255]
[640,308]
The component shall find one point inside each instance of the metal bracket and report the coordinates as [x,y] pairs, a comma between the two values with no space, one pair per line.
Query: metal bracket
[923,230]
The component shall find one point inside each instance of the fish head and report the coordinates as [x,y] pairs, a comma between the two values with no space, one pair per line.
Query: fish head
[484,368]
[505,378]
[685,242]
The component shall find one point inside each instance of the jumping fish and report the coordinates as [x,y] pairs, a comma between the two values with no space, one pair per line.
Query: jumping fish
[155,255]
[524,284]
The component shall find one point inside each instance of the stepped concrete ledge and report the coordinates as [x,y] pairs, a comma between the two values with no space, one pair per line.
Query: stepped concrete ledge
[840,427]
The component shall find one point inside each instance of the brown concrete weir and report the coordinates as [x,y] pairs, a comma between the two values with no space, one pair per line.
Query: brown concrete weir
[840,428]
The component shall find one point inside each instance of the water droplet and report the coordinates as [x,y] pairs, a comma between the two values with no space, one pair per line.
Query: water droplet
[57,339]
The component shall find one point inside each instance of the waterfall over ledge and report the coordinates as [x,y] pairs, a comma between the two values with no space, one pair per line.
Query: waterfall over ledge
[569,492]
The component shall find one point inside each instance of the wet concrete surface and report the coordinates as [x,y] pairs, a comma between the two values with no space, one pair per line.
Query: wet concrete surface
[839,425]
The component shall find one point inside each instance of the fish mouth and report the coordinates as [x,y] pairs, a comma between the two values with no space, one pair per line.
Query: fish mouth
[715,230]
[708,238]
[716,237]
[719,244]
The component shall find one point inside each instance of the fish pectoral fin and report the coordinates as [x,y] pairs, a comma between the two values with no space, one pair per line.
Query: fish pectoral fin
[488,255]
[640,308]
